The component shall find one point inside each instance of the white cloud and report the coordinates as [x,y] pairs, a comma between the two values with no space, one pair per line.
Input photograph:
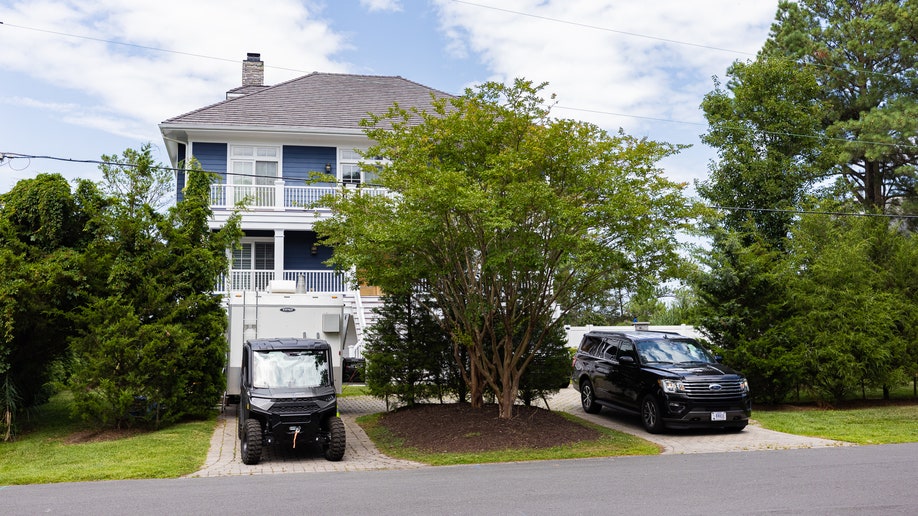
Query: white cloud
[381,5]
[128,88]
[617,57]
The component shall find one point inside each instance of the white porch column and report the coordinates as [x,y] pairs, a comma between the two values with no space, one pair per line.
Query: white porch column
[279,195]
[278,254]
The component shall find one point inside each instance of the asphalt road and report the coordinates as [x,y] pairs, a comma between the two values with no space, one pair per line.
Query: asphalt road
[847,480]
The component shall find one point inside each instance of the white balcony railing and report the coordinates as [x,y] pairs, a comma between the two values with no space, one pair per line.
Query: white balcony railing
[313,280]
[276,197]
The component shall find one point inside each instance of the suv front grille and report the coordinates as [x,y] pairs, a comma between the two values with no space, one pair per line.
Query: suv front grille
[709,390]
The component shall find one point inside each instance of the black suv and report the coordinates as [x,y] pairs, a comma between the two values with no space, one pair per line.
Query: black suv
[669,379]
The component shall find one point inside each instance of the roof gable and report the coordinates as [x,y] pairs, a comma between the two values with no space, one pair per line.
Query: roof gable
[317,100]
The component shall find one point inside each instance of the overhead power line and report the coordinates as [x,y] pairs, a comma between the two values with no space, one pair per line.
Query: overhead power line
[143,47]
[604,29]
[4,156]
[814,212]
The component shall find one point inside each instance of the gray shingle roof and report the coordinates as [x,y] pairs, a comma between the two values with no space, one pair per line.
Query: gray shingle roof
[317,100]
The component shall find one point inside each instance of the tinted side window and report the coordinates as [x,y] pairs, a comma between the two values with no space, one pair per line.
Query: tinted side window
[627,350]
[610,349]
[590,345]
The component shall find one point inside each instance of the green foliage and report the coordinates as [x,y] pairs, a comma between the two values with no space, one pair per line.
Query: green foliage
[826,110]
[503,214]
[863,56]
[151,346]
[408,355]
[43,281]
[550,370]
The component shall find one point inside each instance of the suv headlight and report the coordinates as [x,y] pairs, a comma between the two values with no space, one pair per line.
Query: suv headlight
[744,385]
[672,386]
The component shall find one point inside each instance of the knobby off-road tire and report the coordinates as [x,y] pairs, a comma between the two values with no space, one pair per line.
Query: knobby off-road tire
[334,449]
[651,415]
[588,398]
[250,448]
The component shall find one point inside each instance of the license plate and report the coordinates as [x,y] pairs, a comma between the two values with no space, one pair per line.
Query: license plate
[718,416]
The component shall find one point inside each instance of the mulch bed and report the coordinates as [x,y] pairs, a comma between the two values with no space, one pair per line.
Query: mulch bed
[458,428]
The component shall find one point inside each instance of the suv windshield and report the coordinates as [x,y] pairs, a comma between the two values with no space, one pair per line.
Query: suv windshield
[290,369]
[672,352]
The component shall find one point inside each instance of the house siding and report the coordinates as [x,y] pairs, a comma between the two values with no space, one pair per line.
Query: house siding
[300,160]
[211,156]
[298,252]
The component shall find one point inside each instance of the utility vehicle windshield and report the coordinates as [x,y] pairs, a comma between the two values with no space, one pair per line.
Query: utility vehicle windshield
[290,369]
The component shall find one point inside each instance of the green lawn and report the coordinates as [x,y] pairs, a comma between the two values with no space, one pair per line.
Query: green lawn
[42,455]
[886,424]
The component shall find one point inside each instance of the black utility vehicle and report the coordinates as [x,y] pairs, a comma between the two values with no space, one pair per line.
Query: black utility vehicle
[288,395]
[669,379]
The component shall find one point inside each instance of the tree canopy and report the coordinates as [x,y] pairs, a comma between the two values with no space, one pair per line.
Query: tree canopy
[106,290]
[507,218]
[814,137]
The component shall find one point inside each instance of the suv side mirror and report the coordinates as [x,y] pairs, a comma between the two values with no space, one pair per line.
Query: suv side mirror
[626,359]
[718,358]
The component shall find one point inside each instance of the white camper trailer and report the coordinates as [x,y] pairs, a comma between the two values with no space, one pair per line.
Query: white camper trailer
[283,312]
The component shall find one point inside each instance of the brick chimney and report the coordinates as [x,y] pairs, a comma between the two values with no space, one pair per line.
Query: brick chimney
[253,70]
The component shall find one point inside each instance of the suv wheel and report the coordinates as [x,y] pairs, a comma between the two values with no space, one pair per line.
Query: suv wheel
[588,398]
[250,448]
[651,416]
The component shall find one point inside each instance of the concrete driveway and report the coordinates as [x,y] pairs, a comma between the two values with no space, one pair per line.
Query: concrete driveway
[362,455]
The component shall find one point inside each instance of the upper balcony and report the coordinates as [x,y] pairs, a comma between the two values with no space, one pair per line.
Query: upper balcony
[278,196]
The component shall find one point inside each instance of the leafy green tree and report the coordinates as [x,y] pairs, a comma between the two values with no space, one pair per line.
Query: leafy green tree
[151,344]
[43,281]
[762,128]
[504,214]
[830,99]
[845,321]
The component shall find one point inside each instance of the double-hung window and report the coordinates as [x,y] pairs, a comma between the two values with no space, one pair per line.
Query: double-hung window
[351,171]
[253,265]
[254,170]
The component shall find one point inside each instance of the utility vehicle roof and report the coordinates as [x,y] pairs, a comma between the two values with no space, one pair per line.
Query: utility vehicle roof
[287,344]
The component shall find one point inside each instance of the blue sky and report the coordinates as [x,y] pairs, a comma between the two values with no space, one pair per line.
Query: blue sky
[84,78]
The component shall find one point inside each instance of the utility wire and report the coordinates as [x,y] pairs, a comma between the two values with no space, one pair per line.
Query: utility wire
[11,155]
[520,13]
[665,40]
[813,212]
[604,29]
[144,47]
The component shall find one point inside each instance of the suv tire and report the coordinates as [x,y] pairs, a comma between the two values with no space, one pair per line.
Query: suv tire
[250,448]
[588,398]
[651,415]
[334,449]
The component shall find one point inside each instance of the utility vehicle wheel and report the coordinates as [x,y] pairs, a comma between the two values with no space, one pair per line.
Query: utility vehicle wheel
[651,415]
[588,398]
[334,448]
[250,449]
